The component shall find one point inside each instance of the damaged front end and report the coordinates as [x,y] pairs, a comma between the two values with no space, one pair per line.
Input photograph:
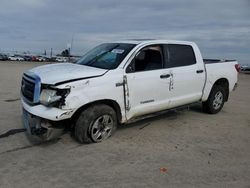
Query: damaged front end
[43,113]
[42,128]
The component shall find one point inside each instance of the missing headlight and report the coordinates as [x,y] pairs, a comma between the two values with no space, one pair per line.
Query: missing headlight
[53,97]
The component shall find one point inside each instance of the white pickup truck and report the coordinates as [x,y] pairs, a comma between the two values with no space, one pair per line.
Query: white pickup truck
[122,81]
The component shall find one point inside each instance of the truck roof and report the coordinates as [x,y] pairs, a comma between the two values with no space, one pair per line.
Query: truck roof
[145,41]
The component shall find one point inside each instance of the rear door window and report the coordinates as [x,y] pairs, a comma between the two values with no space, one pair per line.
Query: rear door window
[179,55]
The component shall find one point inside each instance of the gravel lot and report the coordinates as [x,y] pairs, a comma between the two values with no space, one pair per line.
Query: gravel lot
[178,149]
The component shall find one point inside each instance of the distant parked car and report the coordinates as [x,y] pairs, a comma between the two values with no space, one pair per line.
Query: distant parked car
[61,59]
[74,59]
[52,59]
[41,58]
[34,58]
[16,58]
[3,57]
[245,67]
[27,58]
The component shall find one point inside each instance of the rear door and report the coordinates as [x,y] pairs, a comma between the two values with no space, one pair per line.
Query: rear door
[187,78]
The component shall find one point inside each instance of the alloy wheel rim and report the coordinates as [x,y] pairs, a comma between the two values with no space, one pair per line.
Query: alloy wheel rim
[218,100]
[102,128]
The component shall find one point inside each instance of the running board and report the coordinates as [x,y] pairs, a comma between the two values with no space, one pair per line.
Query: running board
[179,108]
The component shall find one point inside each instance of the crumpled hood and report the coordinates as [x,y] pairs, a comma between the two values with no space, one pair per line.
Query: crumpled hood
[63,72]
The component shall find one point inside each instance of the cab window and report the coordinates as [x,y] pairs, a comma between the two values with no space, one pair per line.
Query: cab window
[149,58]
[179,55]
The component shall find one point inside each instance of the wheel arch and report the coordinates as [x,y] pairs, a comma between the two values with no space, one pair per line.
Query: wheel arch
[109,102]
[225,84]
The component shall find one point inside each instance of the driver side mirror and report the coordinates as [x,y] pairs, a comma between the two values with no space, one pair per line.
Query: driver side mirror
[131,67]
[140,56]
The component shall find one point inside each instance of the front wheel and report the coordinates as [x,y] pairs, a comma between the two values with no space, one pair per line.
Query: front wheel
[95,124]
[215,100]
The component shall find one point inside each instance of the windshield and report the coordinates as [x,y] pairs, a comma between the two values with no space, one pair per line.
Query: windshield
[106,56]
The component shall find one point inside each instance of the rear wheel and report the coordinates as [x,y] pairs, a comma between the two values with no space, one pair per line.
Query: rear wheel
[215,100]
[95,124]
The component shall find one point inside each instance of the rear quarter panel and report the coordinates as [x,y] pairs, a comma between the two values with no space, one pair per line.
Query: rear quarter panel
[216,71]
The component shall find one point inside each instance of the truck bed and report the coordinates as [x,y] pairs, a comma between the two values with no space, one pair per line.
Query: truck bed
[210,61]
[219,69]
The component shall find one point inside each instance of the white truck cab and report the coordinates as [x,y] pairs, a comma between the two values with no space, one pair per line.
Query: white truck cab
[120,81]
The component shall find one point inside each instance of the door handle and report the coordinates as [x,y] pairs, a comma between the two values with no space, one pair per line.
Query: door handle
[165,76]
[199,71]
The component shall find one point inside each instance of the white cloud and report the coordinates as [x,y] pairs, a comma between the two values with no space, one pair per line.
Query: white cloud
[219,27]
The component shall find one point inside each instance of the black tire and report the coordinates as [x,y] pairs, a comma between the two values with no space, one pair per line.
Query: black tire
[88,118]
[211,106]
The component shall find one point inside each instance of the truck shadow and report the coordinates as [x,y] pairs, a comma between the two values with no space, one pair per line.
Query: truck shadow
[140,124]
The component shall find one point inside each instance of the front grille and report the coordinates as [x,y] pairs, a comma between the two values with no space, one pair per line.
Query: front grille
[30,88]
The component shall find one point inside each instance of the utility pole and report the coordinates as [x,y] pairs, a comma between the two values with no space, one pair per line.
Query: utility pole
[69,53]
[50,53]
[71,45]
[72,41]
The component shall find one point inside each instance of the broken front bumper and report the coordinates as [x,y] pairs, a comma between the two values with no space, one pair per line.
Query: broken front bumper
[40,127]
[45,122]
[50,113]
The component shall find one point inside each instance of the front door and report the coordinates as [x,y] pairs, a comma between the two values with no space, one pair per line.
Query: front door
[146,83]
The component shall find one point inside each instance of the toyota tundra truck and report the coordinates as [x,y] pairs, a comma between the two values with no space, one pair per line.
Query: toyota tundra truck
[119,82]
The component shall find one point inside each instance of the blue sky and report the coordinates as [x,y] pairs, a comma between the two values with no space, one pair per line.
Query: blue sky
[220,28]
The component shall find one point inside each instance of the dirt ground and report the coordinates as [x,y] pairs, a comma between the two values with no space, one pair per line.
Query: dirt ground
[178,149]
